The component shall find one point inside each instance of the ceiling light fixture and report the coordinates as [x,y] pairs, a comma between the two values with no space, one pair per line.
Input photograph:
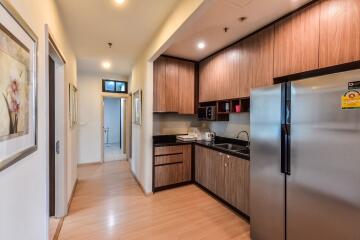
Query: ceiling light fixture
[106,65]
[119,2]
[201,45]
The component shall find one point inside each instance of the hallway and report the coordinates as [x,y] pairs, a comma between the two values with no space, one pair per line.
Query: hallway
[108,204]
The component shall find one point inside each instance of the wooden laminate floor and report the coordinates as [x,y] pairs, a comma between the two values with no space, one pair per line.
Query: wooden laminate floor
[108,204]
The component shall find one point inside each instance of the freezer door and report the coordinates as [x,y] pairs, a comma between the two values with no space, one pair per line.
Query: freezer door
[267,183]
[323,189]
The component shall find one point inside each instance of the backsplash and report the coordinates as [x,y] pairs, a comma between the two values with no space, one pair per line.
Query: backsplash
[237,122]
[172,123]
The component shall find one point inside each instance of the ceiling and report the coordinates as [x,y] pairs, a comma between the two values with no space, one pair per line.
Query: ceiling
[226,13]
[92,24]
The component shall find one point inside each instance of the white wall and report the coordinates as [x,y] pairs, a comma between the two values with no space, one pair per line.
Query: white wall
[112,108]
[90,114]
[23,200]
[185,12]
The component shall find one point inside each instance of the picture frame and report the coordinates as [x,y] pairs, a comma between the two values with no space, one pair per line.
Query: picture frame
[18,87]
[137,106]
[73,105]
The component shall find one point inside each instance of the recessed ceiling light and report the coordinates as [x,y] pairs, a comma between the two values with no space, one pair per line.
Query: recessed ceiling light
[106,65]
[119,1]
[201,45]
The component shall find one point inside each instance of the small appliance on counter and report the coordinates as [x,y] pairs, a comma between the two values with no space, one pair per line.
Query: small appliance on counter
[207,113]
[208,136]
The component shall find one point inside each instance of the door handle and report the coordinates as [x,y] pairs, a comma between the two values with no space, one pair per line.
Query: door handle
[57,147]
[285,149]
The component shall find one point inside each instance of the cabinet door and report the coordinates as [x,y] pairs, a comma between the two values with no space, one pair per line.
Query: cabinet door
[217,173]
[159,85]
[168,174]
[172,85]
[186,87]
[339,32]
[261,47]
[202,171]
[244,81]
[229,81]
[238,183]
[297,42]
[205,80]
[219,76]
[187,160]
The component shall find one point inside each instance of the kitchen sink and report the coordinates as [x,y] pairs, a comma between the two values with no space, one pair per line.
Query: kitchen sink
[233,148]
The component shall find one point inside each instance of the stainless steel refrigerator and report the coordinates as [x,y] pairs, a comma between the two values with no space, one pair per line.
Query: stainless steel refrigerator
[305,160]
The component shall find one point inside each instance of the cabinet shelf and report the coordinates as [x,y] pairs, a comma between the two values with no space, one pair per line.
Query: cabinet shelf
[226,107]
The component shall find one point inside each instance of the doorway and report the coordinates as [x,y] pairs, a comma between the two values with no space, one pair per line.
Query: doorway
[114,129]
[56,127]
[52,138]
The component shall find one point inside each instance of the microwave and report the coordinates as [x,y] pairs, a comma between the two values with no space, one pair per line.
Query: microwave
[207,113]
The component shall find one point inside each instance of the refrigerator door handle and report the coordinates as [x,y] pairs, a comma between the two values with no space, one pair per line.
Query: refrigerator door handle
[285,149]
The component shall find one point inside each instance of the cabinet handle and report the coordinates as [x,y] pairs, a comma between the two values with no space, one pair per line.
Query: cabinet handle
[225,165]
[228,156]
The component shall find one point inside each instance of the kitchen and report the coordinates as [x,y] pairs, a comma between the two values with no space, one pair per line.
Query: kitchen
[269,122]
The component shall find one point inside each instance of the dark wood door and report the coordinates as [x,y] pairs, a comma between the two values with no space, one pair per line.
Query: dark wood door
[52,150]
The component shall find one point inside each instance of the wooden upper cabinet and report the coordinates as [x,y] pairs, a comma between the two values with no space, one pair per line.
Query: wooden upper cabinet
[296,47]
[244,67]
[205,81]
[186,87]
[230,79]
[219,76]
[339,32]
[172,85]
[159,85]
[261,58]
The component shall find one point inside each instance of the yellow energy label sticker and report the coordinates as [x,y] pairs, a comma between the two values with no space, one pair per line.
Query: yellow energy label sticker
[350,100]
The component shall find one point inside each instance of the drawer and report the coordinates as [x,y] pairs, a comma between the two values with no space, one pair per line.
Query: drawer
[168,174]
[168,150]
[167,159]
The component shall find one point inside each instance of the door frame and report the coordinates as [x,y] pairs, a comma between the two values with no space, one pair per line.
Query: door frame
[51,50]
[125,132]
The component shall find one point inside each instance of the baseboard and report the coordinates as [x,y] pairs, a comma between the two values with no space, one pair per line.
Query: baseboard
[72,195]
[140,185]
[58,229]
[88,164]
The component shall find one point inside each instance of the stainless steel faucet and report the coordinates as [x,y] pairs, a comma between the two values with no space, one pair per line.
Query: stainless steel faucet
[247,136]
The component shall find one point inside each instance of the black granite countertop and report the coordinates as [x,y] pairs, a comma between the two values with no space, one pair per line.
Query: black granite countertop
[170,140]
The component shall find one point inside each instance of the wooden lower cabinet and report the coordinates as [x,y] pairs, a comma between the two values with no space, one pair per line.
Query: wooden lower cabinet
[172,165]
[226,176]
[238,183]
[168,174]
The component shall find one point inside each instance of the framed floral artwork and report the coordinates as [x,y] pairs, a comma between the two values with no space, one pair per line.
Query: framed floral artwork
[18,115]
